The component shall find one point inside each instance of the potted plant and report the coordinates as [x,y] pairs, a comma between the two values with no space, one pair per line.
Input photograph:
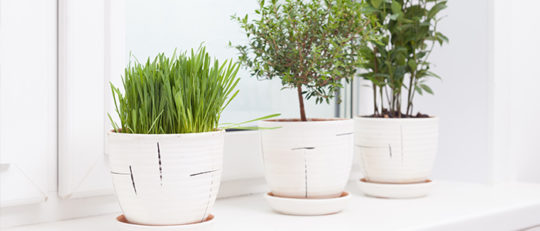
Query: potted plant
[166,152]
[312,47]
[396,145]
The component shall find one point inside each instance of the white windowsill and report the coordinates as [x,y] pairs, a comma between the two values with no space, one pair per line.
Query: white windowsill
[451,206]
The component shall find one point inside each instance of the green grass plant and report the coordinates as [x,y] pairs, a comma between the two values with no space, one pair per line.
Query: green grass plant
[185,93]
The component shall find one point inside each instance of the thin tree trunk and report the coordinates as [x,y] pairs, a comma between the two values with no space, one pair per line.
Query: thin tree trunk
[301,101]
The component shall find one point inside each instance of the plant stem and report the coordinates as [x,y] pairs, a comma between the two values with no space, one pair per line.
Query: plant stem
[409,99]
[382,99]
[398,104]
[376,70]
[375,109]
[394,99]
[301,101]
[412,97]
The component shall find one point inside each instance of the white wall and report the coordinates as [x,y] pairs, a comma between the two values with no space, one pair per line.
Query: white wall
[517,83]
[525,78]
[462,98]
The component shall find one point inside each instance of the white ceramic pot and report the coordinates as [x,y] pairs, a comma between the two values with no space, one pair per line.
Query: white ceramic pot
[166,179]
[307,159]
[396,150]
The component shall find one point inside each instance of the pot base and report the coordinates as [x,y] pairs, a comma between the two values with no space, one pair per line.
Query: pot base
[307,207]
[124,225]
[395,191]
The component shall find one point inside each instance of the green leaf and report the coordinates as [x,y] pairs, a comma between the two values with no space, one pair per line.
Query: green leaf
[441,37]
[396,7]
[436,9]
[376,3]
[412,64]
[433,74]
[426,88]
[236,125]
[419,90]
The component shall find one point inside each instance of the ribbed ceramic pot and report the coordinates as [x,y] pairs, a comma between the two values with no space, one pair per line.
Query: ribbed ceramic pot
[307,159]
[166,179]
[400,150]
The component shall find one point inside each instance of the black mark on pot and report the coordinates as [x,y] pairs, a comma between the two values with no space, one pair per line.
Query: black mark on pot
[205,172]
[119,173]
[344,134]
[132,180]
[364,146]
[390,149]
[305,148]
[159,161]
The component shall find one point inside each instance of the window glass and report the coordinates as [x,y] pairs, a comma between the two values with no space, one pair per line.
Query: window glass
[163,25]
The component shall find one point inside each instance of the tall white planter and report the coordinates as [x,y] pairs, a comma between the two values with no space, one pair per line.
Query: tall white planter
[393,150]
[166,179]
[307,159]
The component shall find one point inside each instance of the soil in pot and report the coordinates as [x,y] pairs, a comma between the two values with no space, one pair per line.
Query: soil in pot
[387,114]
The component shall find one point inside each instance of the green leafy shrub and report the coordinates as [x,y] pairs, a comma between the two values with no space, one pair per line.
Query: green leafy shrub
[399,62]
[310,45]
[180,94]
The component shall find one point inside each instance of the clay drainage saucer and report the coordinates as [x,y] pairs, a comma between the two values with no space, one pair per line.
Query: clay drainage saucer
[307,206]
[389,190]
[206,225]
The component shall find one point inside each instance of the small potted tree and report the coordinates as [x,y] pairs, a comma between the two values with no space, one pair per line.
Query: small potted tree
[166,152]
[312,47]
[396,145]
